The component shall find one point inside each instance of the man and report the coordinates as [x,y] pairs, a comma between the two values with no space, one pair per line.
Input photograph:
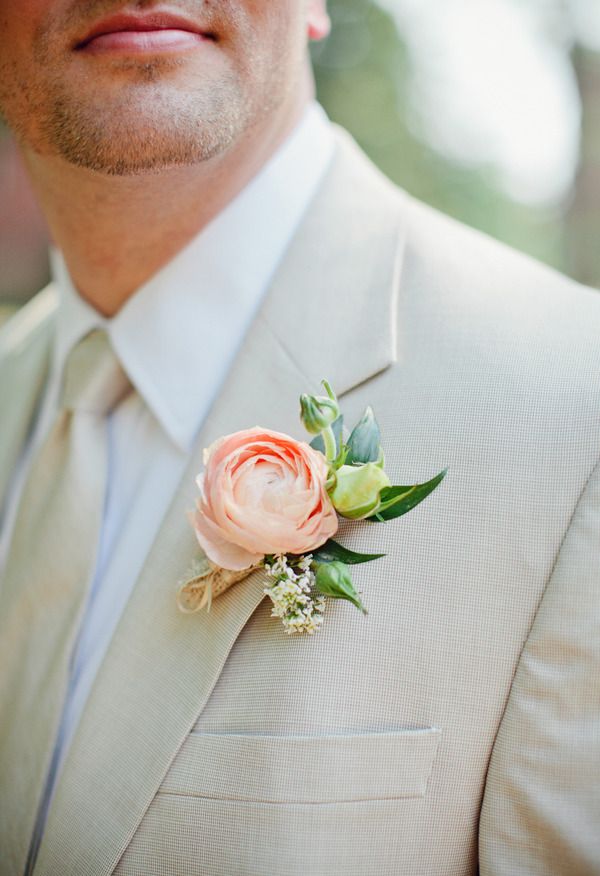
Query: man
[220,248]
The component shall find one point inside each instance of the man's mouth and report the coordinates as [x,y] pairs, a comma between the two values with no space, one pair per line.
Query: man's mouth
[139,33]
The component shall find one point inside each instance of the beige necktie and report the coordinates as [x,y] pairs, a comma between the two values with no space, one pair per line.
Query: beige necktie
[45,584]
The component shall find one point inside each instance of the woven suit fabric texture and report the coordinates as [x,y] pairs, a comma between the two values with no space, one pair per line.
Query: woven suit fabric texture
[453,730]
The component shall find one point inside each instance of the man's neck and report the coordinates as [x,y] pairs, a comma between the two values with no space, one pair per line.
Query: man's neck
[116,232]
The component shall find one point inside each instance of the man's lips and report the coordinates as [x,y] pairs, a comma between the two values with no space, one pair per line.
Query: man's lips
[143,33]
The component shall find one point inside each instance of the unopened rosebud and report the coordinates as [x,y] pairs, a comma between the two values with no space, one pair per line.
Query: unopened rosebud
[356,491]
[318,412]
[333,579]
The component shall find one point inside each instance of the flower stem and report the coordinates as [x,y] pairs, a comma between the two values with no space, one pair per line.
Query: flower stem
[330,445]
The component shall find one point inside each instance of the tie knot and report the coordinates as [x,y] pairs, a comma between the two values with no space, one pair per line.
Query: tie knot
[93,379]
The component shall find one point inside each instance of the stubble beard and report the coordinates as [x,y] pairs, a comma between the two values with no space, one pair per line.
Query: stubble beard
[147,128]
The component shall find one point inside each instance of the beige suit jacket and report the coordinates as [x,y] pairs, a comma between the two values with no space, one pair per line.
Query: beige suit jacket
[457,725]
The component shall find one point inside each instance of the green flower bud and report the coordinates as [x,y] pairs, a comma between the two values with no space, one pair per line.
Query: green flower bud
[333,579]
[356,491]
[364,441]
[318,412]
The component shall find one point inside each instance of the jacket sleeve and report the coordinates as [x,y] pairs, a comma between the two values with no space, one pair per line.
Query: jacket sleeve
[541,806]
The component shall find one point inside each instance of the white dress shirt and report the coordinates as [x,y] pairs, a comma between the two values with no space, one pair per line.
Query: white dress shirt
[176,337]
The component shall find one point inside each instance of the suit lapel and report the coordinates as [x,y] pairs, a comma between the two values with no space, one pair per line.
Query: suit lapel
[329,313]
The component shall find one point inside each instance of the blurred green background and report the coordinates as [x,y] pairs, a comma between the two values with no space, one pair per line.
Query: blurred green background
[487,109]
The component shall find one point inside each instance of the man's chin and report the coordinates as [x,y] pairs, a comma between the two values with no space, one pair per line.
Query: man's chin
[106,158]
[145,131]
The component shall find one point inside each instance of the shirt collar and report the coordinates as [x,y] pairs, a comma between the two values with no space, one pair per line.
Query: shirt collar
[178,334]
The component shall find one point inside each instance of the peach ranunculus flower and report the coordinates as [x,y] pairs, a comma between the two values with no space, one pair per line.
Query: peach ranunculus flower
[262,492]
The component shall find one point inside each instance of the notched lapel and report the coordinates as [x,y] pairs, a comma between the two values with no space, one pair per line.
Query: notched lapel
[330,312]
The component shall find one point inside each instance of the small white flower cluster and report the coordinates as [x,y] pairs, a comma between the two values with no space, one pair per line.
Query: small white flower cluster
[290,593]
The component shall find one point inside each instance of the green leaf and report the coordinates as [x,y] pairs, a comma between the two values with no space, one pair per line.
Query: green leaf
[318,444]
[396,500]
[332,551]
[364,443]
[333,579]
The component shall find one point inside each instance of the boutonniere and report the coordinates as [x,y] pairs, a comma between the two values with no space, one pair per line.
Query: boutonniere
[269,501]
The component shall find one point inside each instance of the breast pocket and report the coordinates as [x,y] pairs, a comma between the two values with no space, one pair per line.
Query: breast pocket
[246,804]
[304,769]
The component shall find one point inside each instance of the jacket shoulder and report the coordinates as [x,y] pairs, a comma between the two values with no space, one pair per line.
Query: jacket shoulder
[493,302]
[31,326]
[25,347]
[480,285]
